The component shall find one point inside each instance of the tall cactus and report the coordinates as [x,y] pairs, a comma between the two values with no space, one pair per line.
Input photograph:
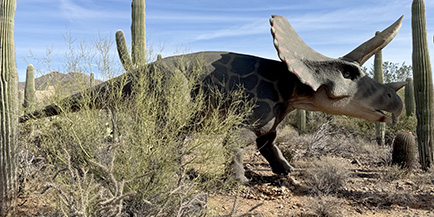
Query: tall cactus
[8,107]
[138,32]
[138,35]
[409,98]
[378,76]
[92,79]
[29,89]
[423,87]
[301,121]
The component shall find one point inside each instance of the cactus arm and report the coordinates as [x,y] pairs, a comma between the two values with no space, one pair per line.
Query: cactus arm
[124,56]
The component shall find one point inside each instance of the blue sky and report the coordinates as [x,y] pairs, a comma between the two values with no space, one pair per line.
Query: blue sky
[332,27]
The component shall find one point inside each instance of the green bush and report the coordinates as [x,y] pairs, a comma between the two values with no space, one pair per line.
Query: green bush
[137,153]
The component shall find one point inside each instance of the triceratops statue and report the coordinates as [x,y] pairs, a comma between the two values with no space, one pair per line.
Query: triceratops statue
[303,79]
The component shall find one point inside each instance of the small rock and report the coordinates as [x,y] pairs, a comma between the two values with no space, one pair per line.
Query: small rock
[293,181]
[408,182]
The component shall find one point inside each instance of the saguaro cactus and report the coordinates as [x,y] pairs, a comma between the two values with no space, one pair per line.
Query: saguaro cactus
[301,121]
[409,98]
[138,35]
[378,76]
[8,107]
[404,149]
[423,87]
[92,79]
[29,89]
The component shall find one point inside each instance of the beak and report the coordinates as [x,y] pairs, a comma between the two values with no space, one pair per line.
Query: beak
[395,118]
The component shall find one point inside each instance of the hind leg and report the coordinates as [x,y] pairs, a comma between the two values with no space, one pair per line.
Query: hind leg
[272,154]
[237,167]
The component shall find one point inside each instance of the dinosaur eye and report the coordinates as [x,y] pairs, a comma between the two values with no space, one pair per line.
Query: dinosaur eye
[350,72]
[346,74]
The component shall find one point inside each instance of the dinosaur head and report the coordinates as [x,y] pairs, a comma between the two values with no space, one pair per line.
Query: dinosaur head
[339,86]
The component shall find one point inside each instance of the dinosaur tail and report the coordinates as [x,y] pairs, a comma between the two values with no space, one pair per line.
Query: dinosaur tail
[97,97]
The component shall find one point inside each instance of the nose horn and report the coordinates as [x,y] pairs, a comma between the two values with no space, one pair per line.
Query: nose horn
[365,51]
[396,85]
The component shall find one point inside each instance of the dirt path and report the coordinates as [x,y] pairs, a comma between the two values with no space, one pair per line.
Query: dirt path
[368,192]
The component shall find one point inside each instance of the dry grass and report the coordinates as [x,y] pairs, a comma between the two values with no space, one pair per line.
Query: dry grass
[327,175]
[394,172]
[325,206]
[157,135]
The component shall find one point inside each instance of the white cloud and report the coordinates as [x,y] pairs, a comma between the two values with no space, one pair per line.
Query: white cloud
[82,10]
[255,27]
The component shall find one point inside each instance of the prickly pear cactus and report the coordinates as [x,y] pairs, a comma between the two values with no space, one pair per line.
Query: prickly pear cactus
[29,89]
[380,128]
[138,34]
[404,149]
[423,86]
[409,98]
[9,108]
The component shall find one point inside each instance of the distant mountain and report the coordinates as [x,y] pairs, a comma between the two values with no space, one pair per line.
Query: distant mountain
[68,83]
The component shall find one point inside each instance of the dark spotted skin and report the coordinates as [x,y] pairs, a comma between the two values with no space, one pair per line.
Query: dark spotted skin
[268,83]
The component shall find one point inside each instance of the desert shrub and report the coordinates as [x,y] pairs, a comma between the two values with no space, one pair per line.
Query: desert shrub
[394,172]
[356,126]
[325,206]
[426,178]
[327,175]
[134,155]
[313,120]
[333,140]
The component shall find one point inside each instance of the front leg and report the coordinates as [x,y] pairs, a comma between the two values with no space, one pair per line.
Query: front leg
[272,154]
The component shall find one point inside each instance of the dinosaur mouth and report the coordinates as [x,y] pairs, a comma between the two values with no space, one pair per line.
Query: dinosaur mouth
[386,117]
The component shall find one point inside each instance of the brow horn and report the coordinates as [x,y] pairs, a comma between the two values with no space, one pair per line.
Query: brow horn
[365,51]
